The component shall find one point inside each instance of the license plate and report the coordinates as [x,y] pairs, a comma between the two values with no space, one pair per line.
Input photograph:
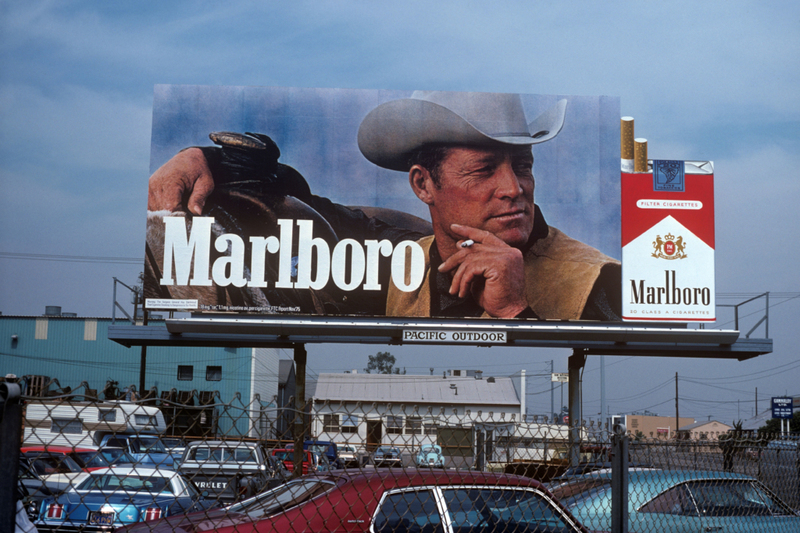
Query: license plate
[96,518]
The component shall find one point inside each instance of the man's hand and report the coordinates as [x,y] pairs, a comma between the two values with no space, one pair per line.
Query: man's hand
[491,270]
[183,182]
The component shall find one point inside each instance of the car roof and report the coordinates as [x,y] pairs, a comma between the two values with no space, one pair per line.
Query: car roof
[410,478]
[645,484]
[135,471]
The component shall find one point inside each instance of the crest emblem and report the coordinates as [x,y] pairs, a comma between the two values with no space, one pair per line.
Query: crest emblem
[669,247]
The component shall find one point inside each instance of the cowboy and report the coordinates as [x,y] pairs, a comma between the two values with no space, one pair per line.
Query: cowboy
[468,158]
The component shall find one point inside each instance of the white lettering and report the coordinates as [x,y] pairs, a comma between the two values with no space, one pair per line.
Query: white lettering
[178,248]
[229,269]
[339,262]
[408,261]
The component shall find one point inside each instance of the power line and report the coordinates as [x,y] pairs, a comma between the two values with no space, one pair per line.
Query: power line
[73,258]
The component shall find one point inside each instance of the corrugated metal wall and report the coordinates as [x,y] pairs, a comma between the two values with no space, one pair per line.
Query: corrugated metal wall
[74,350]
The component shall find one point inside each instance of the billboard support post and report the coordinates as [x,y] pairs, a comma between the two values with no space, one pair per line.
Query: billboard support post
[300,356]
[576,362]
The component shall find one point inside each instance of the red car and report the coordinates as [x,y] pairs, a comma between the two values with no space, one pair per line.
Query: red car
[287,456]
[87,458]
[375,501]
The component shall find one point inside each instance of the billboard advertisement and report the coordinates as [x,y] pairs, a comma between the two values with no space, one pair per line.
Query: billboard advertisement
[335,202]
[668,242]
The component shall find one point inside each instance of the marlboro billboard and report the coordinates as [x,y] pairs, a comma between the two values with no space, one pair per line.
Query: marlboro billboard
[668,242]
[384,203]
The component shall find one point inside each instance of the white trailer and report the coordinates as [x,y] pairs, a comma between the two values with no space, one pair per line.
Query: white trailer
[85,423]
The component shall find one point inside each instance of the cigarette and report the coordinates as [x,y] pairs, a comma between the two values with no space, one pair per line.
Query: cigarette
[467,243]
[626,143]
[640,155]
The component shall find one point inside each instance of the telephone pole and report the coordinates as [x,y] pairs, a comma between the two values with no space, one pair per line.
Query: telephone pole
[677,417]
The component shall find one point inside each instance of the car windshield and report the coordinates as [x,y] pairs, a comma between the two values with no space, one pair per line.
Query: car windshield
[45,465]
[147,445]
[171,443]
[117,456]
[92,459]
[130,483]
[281,498]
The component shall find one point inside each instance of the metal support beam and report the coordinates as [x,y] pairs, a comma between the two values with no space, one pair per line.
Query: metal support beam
[619,482]
[10,430]
[300,356]
[576,362]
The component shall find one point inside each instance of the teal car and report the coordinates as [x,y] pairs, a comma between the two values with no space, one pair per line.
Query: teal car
[681,502]
[429,455]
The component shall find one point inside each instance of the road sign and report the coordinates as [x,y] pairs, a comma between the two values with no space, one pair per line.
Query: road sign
[562,377]
[782,407]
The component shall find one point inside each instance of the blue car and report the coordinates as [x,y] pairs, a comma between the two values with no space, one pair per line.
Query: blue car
[429,455]
[680,501]
[108,498]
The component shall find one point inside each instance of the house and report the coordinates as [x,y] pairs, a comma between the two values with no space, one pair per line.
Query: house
[709,430]
[406,411]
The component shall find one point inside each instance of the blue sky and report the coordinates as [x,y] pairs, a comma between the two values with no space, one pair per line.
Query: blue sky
[706,81]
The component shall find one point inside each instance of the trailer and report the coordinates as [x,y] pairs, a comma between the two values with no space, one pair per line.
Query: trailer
[87,423]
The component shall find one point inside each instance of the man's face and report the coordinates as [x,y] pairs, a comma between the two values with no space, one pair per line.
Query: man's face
[485,188]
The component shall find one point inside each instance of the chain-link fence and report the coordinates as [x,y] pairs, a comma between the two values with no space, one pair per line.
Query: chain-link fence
[93,465]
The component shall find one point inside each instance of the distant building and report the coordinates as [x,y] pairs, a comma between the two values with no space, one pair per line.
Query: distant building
[710,430]
[368,410]
[652,427]
[231,391]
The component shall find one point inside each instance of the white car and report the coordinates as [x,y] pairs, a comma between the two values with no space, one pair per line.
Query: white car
[347,455]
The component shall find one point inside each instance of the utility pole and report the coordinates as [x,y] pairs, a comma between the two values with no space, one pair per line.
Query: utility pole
[602,393]
[552,389]
[677,417]
[756,413]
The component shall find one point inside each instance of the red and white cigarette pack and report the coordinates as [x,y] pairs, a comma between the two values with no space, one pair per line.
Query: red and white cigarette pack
[668,243]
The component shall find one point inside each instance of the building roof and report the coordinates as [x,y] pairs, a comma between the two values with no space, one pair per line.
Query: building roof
[704,423]
[416,389]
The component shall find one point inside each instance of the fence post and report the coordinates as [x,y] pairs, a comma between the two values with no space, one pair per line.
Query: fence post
[619,482]
[10,432]
[300,356]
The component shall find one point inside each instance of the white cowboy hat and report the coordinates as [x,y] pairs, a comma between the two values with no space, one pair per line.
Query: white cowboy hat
[393,130]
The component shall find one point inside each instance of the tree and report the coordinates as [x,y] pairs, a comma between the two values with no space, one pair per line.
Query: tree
[382,363]
[773,425]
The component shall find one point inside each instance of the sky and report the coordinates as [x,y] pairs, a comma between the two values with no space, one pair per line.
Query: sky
[703,80]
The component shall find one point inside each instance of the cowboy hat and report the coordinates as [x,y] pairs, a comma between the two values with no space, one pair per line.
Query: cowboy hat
[393,130]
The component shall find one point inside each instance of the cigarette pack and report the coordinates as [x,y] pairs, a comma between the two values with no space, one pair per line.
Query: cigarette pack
[668,242]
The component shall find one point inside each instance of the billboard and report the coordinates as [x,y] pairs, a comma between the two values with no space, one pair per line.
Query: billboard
[384,203]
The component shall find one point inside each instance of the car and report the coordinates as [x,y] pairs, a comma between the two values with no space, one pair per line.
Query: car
[310,462]
[680,501]
[385,501]
[348,455]
[387,456]
[55,465]
[117,456]
[31,489]
[784,444]
[429,455]
[147,450]
[111,497]
[329,449]
[174,446]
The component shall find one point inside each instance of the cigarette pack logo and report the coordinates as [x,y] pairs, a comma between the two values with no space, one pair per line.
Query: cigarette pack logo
[669,247]
[668,176]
